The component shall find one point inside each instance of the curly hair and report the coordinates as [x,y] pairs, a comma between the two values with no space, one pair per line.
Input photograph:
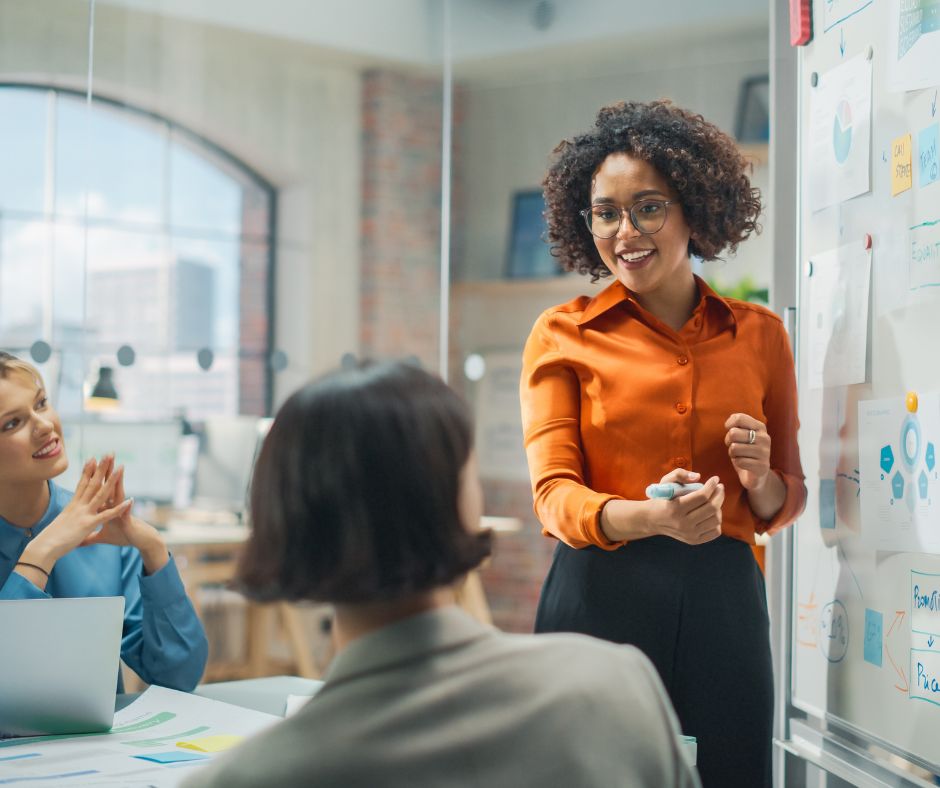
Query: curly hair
[699,161]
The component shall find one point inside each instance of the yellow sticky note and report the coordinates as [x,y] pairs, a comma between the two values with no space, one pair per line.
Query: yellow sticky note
[211,743]
[902,173]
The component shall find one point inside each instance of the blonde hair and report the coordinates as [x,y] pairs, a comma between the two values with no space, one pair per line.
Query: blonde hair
[10,364]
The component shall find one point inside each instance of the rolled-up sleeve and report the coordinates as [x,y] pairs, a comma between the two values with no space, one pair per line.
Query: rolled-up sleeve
[550,396]
[164,641]
[780,408]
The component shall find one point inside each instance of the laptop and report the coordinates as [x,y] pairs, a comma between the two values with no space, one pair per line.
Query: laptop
[59,664]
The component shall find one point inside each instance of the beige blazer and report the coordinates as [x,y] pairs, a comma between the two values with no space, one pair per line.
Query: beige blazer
[440,699]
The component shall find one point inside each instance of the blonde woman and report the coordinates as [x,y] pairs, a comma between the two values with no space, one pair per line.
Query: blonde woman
[51,544]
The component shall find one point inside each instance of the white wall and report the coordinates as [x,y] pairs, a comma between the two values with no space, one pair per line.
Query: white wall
[275,104]
[513,118]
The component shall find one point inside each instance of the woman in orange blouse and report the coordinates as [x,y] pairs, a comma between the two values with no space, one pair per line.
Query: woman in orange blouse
[659,379]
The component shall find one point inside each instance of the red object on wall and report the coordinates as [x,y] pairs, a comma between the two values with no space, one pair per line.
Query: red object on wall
[801,22]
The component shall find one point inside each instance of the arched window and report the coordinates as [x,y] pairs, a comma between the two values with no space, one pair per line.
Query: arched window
[119,229]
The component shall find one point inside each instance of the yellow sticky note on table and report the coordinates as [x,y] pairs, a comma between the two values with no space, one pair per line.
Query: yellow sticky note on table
[902,171]
[211,743]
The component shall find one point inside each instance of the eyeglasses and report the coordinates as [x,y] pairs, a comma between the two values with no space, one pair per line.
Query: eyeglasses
[647,216]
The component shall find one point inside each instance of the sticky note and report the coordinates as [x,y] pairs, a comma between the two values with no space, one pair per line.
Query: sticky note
[874,626]
[902,174]
[928,169]
[174,756]
[211,743]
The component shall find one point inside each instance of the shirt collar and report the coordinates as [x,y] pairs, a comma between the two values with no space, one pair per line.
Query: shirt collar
[16,532]
[435,630]
[617,293]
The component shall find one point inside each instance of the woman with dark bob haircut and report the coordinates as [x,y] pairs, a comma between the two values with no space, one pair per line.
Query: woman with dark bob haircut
[366,494]
[658,380]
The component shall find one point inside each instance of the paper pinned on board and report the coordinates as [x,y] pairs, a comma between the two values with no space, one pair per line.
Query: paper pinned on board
[913,33]
[902,171]
[838,286]
[899,477]
[928,160]
[840,134]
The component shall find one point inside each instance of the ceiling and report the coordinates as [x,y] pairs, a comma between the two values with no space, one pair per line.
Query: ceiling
[482,32]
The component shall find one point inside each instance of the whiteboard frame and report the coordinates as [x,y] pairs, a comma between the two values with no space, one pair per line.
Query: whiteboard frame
[803,733]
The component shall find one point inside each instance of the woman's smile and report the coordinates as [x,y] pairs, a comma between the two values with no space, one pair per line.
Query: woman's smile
[52,448]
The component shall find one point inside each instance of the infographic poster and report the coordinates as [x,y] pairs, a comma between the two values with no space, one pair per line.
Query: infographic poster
[899,485]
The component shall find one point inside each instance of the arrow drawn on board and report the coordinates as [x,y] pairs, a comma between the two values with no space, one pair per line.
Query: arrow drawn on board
[899,617]
[930,642]
[933,105]
[842,42]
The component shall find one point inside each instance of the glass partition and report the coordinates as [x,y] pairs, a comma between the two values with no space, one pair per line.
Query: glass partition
[525,76]
[205,203]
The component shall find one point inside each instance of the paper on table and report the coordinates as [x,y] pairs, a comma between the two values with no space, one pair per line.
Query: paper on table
[840,134]
[173,756]
[838,316]
[295,703]
[152,724]
[211,743]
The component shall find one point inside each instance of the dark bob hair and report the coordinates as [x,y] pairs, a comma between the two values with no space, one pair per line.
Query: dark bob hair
[354,494]
[699,161]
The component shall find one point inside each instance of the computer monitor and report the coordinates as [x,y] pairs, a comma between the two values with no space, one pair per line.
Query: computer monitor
[227,452]
[147,449]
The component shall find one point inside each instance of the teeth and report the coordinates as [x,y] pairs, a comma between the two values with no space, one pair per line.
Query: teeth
[46,449]
[631,256]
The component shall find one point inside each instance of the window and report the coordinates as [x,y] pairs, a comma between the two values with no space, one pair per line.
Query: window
[119,228]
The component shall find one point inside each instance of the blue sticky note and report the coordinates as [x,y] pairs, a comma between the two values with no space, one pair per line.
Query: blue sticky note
[174,756]
[827,503]
[874,626]
[928,155]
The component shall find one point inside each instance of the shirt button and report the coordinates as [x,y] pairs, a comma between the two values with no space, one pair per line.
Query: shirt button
[681,407]
[680,462]
[683,360]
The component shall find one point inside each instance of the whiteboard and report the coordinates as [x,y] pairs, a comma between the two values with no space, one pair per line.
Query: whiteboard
[865,642]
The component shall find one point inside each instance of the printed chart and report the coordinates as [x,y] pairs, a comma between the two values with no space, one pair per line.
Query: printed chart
[900,489]
[840,134]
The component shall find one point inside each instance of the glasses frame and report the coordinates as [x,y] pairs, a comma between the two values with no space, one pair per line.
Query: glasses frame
[586,212]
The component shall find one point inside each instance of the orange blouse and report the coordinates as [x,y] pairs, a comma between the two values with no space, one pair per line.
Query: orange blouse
[613,399]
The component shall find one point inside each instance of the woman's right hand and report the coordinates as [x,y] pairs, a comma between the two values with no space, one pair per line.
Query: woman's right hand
[693,518]
[81,515]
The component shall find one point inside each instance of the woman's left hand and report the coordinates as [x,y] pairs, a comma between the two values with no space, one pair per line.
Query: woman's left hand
[127,530]
[748,445]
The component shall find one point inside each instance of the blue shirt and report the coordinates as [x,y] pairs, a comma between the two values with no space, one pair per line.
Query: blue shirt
[163,640]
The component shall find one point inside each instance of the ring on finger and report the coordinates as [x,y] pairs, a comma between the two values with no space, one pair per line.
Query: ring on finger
[751,436]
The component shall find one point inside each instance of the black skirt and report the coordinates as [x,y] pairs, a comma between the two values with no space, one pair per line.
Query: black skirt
[700,614]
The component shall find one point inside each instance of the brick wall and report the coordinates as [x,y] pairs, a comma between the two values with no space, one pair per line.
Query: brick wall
[401,215]
[401,205]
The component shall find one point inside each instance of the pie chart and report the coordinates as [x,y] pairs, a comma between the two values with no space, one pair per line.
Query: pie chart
[842,132]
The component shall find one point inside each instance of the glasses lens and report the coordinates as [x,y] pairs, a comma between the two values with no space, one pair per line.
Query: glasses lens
[603,220]
[648,216]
